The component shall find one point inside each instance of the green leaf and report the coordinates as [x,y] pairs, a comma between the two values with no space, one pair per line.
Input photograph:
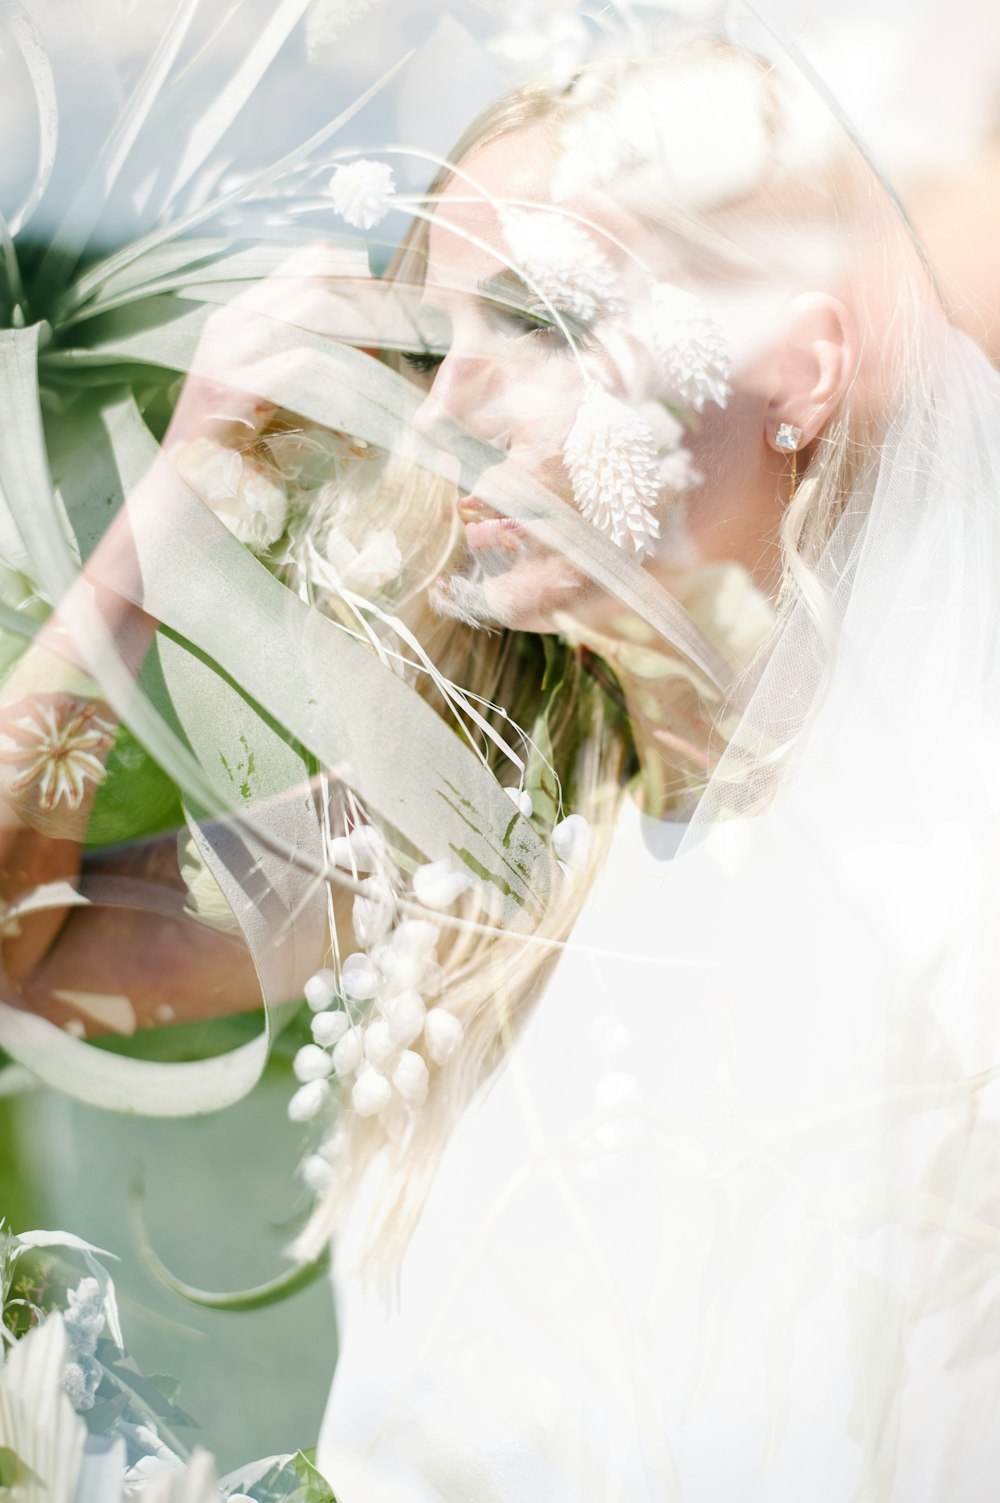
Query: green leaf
[14,1472]
[136,798]
[132,1382]
[32,49]
[316,1489]
[169,1387]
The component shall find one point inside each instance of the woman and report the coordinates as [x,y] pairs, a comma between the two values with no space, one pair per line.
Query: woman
[699,1238]
[720,1225]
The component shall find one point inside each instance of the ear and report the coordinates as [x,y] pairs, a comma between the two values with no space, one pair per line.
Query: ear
[814,366]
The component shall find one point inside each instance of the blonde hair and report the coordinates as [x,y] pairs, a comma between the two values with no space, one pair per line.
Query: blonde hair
[838,197]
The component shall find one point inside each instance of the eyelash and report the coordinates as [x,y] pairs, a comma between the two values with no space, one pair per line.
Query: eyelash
[535,326]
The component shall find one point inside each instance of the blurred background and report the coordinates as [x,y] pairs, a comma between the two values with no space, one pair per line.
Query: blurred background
[243,82]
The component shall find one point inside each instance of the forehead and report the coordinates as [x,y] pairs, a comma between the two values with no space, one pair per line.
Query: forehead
[465,233]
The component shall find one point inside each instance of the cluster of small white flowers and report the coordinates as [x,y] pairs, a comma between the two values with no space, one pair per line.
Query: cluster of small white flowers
[83,1321]
[251,503]
[362,192]
[690,348]
[560,261]
[612,459]
[385,1055]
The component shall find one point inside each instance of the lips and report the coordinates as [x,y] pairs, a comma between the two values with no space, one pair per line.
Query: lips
[485,528]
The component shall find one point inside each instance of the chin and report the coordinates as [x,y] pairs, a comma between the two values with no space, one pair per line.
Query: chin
[518,592]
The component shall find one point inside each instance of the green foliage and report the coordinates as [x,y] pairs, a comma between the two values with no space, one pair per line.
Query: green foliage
[136,799]
[13,1471]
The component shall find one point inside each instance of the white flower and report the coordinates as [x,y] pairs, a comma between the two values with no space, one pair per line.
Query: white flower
[572,838]
[308,1100]
[442,1034]
[612,462]
[376,562]
[560,261]
[410,1077]
[371,1092]
[521,800]
[37,1421]
[250,502]
[328,1028]
[438,883]
[81,1379]
[405,1014]
[379,1044]
[361,192]
[60,752]
[690,348]
[373,910]
[348,1052]
[321,989]
[359,978]
[84,1318]
[312,1063]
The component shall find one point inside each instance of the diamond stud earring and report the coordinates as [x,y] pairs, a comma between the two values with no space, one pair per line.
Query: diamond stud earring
[787,440]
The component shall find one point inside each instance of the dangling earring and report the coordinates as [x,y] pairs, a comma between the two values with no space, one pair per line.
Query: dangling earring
[787,439]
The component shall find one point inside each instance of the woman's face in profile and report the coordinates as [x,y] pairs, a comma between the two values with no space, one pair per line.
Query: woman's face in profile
[505,371]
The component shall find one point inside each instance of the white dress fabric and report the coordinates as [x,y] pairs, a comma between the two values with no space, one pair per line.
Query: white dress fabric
[721,1231]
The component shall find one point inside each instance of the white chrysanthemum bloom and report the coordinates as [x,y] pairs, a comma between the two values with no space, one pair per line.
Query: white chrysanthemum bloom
[442,1034]
[59,750]
[321,989]
[308,1100]
[371,1092]
[611,457]
[361,192]
[572,838]
[377,562]
[251,503]
[311,1063]
[410,1077]
[438,884]
[521,800]
[328,1028]
[348,1052]
[691,352]
[359,978]
[84,1317]
[561,261]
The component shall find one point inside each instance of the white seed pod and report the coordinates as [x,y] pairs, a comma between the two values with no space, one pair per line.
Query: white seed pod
[359,977]
[373,910]
[439,883]
[405,1013]
[521,800]
[398,972]
[571,840]
[312,1063]
[320,990]
[328,1028]
[348,1052]
[379,1043]
[442,1034]
[367,848]
[413,936]
[410,1077]
[611,456]
[308,1100]
[316,1172]
[371,1092]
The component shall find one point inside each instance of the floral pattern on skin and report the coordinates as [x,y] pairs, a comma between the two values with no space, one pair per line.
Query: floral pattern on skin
[60,747]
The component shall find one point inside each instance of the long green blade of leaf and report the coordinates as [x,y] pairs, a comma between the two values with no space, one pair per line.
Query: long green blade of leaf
[25,34]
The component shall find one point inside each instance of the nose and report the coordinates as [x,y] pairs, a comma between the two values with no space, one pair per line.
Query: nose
[466,396]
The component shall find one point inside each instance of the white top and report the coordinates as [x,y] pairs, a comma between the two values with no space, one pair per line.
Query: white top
[667,1256]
